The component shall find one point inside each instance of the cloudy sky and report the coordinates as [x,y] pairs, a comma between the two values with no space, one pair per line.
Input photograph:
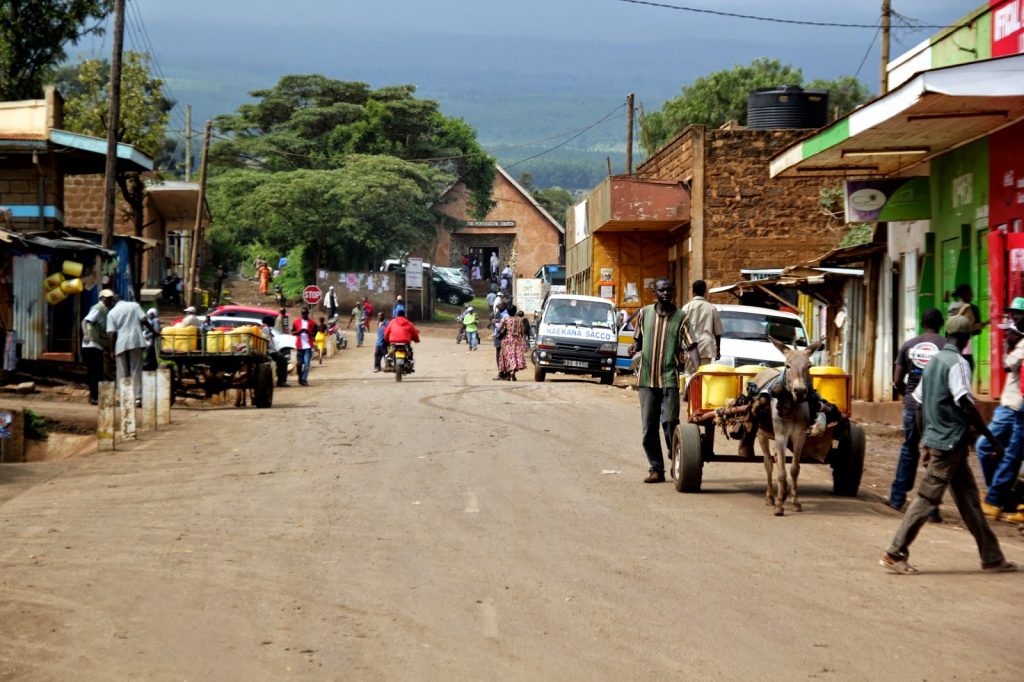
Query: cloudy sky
[476,55]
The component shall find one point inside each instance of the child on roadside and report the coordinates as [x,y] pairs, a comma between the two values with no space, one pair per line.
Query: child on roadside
[320,340]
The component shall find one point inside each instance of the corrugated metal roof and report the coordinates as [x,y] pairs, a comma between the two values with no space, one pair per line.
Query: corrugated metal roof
[29,305]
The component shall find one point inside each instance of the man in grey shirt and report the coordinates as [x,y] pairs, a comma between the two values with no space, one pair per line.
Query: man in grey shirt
[125,323]
[705,325]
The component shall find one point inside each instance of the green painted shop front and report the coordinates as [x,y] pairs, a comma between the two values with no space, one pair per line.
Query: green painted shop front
[956,249]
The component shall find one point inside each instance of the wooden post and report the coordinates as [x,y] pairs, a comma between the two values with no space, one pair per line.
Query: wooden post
[197,232]
[886,21]
[105,419]
[113,123]
[871,275]
[148,401]
[126,394]
[163,396]
[629,134]
[188,143]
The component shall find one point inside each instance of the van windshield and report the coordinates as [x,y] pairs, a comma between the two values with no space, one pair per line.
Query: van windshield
[580,313]
[757,327]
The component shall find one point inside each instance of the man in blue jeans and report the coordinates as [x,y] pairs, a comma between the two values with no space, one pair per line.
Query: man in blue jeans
[1007,426]
[304,330]
[910,364]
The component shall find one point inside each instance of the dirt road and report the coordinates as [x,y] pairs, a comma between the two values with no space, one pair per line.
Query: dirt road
[455,527]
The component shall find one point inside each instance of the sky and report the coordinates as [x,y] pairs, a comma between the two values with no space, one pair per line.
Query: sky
[480,56]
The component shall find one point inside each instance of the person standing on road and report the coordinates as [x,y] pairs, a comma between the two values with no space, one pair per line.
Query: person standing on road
[910,363]
[381,347]
[662,338]
[280,361]
[500,313]
[320,340]
[151,355]
[471,324]
[125,323]
[96,343]
[331,302]
[304,330]
[949,412]
[399,305]
[494,265]
[705,325]
[512,356]
[1001,503]
[362,324]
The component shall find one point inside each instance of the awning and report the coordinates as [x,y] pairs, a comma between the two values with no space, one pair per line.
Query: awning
[932,113]
[176,200]
[84,154]
[824,284]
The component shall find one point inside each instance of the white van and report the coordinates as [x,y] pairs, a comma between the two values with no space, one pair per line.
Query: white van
[576,335]
[745,332]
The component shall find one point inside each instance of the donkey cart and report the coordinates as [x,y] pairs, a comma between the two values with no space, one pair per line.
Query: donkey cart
[728,399]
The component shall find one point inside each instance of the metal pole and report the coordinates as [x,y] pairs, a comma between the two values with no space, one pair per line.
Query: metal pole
[113,123]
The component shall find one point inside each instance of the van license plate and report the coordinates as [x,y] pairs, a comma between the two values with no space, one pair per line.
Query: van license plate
[575,363]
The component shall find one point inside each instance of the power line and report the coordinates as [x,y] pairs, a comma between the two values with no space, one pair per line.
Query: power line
[135,16]
[866,53]
[608,116]
[777,20]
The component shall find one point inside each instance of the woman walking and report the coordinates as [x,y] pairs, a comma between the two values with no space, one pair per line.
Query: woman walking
[512,357]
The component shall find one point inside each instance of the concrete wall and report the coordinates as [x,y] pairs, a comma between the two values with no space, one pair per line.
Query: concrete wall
[19,186]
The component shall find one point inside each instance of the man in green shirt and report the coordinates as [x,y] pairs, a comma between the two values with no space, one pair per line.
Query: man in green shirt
[471,323]
[949,412]
[662,338]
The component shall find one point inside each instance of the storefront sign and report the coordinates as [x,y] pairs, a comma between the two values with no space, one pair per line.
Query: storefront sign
[1007,27]
[872,201]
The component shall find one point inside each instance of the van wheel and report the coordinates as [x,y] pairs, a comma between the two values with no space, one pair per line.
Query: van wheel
[539,374]
[608,379]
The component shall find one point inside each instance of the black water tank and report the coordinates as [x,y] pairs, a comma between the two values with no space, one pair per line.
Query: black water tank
[787,106]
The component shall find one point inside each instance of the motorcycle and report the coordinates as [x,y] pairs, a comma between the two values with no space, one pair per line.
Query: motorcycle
[399,360]
[334,330]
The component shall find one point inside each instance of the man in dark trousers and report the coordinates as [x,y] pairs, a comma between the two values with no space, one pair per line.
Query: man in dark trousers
[910,363]
[949,412]
[663,339]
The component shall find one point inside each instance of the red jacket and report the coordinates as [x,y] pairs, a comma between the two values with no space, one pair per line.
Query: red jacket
[401,330]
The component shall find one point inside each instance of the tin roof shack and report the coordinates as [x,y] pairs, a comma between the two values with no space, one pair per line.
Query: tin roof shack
[702,207]
[518,229]
[35,156]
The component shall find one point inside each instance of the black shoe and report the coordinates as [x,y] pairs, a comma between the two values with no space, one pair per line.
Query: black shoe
[93,401]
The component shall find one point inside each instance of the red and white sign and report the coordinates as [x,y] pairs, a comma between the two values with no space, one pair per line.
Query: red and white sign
[312,294]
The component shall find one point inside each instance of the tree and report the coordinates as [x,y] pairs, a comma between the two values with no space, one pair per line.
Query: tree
[555,200]
[383,155]
[720,97]
[33,35]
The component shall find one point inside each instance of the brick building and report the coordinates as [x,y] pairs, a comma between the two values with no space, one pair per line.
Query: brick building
[702,207]
[516,227]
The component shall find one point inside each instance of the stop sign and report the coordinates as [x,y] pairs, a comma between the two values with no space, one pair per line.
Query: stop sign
[311,294]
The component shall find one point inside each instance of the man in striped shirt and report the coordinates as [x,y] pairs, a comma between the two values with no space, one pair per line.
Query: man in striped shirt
[662,338]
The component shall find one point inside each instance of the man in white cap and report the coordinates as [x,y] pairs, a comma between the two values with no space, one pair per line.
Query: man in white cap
[399,306]
[125,323]
[331,302]
[96,343]
[191,319]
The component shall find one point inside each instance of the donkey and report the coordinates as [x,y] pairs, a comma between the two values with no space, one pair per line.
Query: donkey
[790,419]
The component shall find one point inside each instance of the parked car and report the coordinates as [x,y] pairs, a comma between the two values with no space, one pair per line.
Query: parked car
[449,289]
[745,331]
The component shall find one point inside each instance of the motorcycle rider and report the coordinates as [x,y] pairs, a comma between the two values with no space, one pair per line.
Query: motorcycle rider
[401,330]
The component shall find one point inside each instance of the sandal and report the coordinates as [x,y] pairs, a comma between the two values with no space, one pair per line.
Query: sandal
[896,565]
[1003,566]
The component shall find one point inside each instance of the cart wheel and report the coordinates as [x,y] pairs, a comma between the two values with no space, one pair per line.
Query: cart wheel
[263,390]
[687,464]
[848,463]
[539,374]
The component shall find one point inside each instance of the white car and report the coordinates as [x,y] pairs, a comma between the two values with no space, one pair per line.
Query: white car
[745,332]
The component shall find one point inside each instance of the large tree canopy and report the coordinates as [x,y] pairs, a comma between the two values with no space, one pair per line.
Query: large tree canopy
[346,171]
[721,96]
[33,35]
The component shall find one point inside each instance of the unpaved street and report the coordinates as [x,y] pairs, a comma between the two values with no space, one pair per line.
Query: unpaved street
[454,527]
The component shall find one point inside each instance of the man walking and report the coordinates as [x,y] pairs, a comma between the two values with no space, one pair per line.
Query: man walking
[662,339]
[470,322]
[705,325]
[96,343]
[304,330]
[381,348]
[125,323]
[399,306]
[1007,426]
[948,408]
[331,303]
[908,368]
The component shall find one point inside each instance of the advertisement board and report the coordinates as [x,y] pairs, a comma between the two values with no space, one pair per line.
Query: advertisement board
[529,295]
[887,199]
[414,273]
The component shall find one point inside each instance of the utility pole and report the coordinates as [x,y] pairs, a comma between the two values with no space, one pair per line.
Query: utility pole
[113,123]
[188,142]
[629,134]
[197,233]
[886,21]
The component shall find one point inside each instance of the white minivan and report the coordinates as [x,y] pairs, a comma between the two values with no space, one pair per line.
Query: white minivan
[576,335]
[745,332]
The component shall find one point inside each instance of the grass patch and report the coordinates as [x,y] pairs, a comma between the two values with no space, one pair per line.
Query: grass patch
[447,313]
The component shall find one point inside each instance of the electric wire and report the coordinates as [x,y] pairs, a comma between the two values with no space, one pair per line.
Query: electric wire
[866,53]
[752,17]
